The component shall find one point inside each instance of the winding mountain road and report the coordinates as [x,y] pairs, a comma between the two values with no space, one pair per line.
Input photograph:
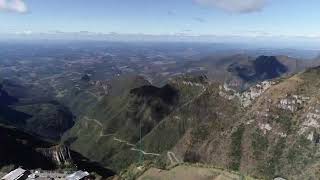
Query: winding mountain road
[133,146]
[145,153]
[172,157]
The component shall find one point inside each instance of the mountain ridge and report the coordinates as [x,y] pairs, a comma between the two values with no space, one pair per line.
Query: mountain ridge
[254,132]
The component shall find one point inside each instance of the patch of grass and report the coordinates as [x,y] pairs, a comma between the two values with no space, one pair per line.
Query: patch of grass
[259,144]
[285,121]
[235,154]
[200,133]
[272,165]
[296,153]
[191,157]
[160,162]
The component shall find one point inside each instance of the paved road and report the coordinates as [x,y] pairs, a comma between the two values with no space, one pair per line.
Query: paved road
[145,153]
[172,157]
[133,146]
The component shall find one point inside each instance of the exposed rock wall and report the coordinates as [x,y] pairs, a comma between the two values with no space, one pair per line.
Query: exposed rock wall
[59,154]
[247,97]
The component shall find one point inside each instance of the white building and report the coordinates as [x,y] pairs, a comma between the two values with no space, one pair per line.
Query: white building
[79,175]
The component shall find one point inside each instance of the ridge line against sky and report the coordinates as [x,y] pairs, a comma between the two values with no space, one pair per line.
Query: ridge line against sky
[247,18]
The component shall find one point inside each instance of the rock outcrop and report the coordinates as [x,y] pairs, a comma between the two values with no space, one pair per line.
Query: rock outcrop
[59,154]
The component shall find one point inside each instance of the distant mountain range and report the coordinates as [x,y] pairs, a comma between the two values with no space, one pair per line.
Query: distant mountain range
[241,71]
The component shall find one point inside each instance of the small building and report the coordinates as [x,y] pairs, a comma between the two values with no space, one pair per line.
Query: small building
[79,175]
[279,178]
[17,174]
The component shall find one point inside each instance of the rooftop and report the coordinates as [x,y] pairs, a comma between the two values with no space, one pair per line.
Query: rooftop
[15,174]
[77,175]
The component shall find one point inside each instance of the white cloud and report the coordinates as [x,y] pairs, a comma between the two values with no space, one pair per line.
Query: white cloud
[236,6]
[13,5]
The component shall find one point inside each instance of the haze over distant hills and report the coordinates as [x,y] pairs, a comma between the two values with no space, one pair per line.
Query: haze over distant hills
[251,40]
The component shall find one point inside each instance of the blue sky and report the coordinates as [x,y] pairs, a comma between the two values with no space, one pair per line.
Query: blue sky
[193,17]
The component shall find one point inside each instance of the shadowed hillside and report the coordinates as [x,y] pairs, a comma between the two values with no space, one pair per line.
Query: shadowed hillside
[262,68]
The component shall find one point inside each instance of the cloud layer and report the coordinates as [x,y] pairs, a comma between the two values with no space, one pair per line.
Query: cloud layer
[235,6]
[18,6]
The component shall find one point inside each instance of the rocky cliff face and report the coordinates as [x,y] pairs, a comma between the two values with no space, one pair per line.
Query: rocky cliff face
[247,97]
[21,149]
[59,154]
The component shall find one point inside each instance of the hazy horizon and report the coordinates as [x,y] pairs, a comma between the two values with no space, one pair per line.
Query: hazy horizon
[286,23]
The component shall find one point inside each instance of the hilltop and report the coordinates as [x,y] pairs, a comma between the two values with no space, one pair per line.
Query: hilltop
[242,71]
